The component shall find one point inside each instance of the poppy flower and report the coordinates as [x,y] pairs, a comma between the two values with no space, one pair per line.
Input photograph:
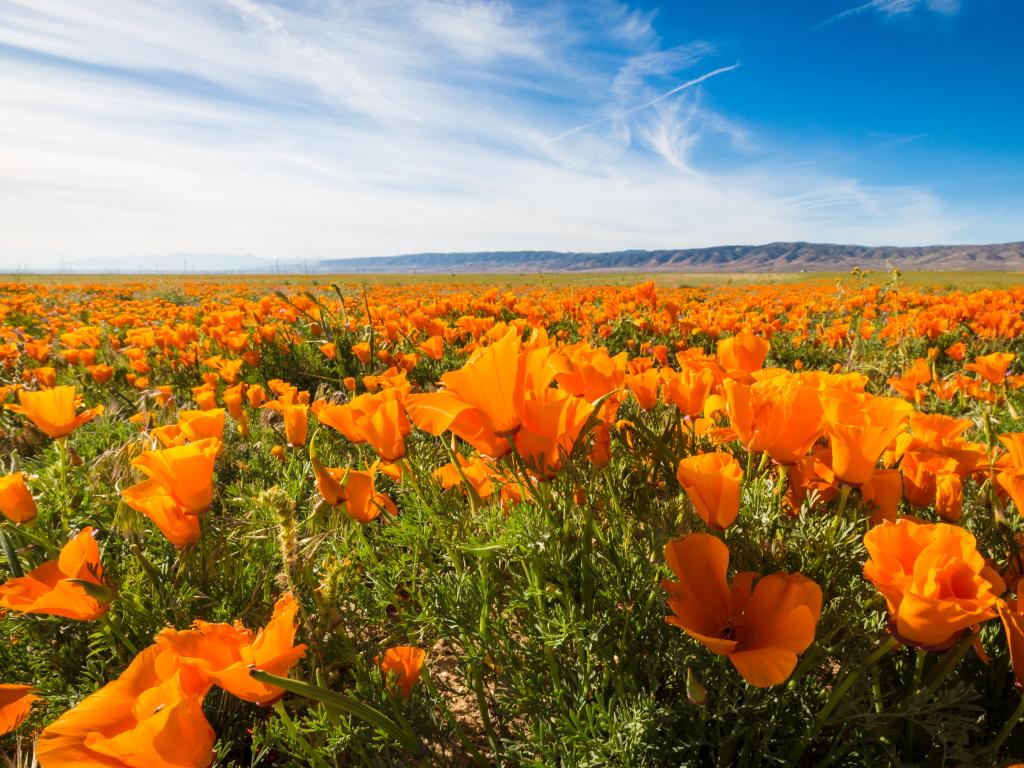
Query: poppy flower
[224,653]
[185,472]
[1012,481]
[743,353]
[53,410]
[644,386]
[352,488]
[780,415]
[860,427]
[885,491]
[687,390]
[178,525]
[552,422]
[477,472]
[149,717]
[403,664]
[1012,614]
[433,347]
[991,368]
[712,482]
[761,627]
[57,586]
[934,581]
[15,703]
[483,402]
[591,373]
[16,502]
[378,419]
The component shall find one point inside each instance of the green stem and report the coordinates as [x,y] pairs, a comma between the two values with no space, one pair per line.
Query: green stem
[838,693]
[844,494]
[485,718]
[12,556]
[948,663]
[293,731]
[1007,729]
[122,638]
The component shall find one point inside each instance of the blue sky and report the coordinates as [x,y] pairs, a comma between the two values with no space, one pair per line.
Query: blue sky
[315,129]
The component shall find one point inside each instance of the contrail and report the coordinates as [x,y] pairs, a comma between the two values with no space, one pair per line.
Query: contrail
[645,105]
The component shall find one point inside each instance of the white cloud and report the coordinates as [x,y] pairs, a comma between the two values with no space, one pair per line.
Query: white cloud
[372,127]
[892,8]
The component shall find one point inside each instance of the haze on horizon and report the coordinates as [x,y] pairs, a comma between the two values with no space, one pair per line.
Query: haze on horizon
[312,129]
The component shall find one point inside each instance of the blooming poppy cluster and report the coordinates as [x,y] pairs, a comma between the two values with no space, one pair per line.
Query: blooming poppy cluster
[721,405]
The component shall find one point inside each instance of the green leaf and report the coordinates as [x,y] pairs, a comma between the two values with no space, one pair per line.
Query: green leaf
[348,705]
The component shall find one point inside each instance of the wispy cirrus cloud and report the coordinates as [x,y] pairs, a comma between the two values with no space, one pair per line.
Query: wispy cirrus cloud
[370,127]
[894,8]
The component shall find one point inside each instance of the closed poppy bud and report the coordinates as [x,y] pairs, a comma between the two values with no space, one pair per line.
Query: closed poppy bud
[712,482]
[349,382]
[15,703]
[884,490]
[256,396]
[296,424]
[16,502]
[949,497]
[362,352]
[695,690]
[405,664]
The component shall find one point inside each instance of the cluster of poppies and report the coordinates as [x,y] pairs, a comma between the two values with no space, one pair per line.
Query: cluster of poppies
[516,407]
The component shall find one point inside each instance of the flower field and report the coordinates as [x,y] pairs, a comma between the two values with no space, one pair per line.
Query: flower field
[336,524]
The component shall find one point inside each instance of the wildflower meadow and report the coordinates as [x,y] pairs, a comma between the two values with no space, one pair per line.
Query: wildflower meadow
[316,523]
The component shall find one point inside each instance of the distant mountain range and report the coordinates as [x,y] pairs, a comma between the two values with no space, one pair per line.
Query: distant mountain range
[773,257]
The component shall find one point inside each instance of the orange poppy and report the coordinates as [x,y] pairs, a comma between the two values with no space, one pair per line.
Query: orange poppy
[712,482]
[178,525]
[687,390]
[885,491]
[478,473]
[860,427]
[934,581]
[761,627]
[780,415]
[992,368]
[224,653]
[644,386]
[53,410]
[378,419]
[352,488]
[1012,614]
[483,402]
[743,353]
[552,422]
[149,717]
[16,502]
[56,588]
[402,664]
[15,703]
[185,472]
